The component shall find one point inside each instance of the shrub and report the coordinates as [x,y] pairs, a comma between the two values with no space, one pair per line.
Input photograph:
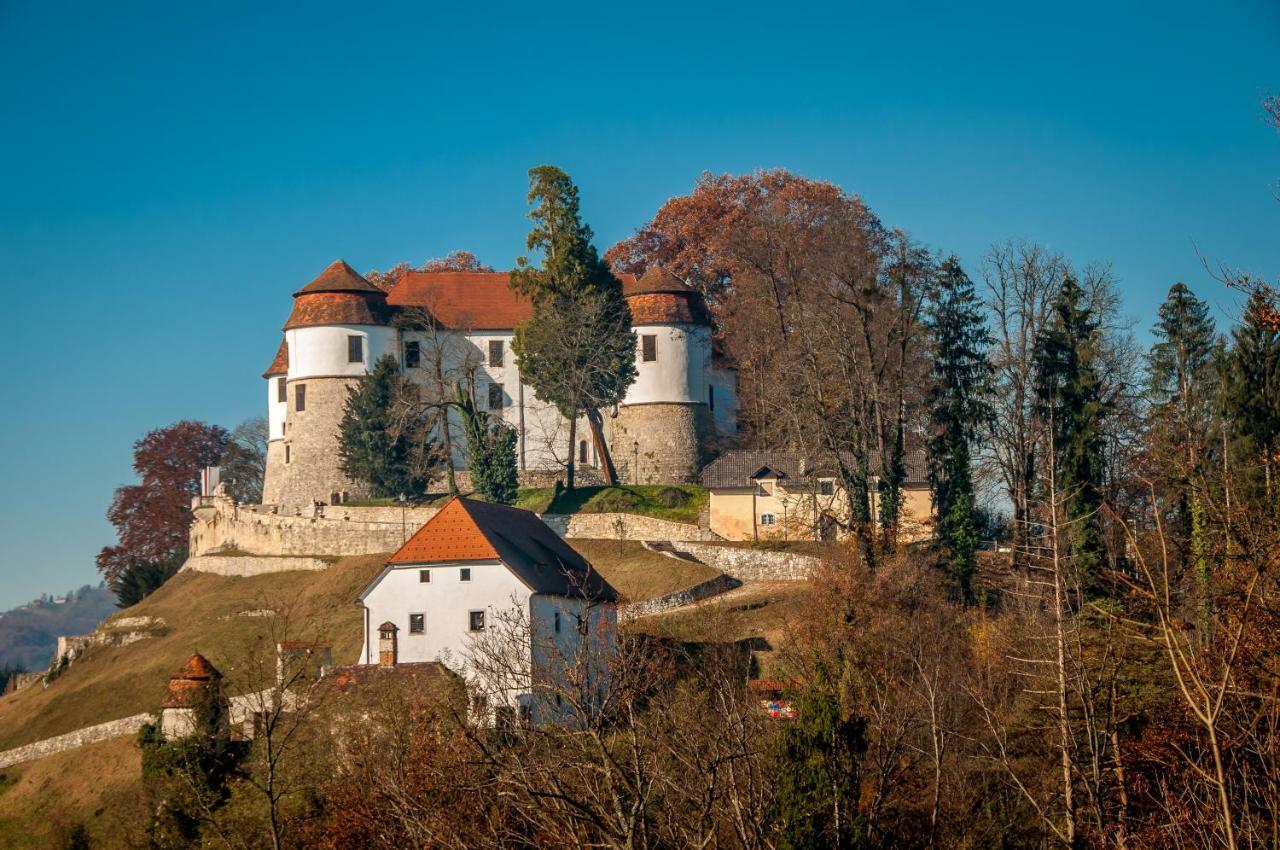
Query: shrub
[616,500]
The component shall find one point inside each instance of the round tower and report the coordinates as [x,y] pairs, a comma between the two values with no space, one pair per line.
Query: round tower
[277,377]
[664,427]
[339,327]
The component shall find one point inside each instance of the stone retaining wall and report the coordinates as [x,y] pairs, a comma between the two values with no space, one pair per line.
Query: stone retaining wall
[250,565]
[79,738]
[753,564]
[221,525]
[634,527]
[680,598]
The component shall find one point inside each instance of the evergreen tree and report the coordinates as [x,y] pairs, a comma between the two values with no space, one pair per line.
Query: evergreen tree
[383,438]
[1253,397]
[817,758]
[961,380]
[140,579]
[577,351]
[491,452]
[1069,398]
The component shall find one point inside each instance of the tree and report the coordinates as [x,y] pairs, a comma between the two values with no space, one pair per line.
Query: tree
[1253,396]
[455,261]
[957,411]
[142,578]
[152,518]
[1069,396]
[244,462]
[817,766]
[577,351]
[491,452]
[383,437]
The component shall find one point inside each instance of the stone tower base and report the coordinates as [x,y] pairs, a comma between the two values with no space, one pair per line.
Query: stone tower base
[305,467]
[673,440]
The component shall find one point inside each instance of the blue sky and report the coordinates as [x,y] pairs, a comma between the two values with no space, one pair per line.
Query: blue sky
[169,173]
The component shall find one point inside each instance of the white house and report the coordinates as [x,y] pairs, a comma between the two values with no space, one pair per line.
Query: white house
[498,597]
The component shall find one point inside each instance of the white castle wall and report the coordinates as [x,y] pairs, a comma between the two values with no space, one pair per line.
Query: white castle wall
[321,351]
[679,372]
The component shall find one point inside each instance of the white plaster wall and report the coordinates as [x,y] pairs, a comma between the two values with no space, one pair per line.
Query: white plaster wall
[276,410]
[321,351]
[679,374]
[446,601]
[569,662]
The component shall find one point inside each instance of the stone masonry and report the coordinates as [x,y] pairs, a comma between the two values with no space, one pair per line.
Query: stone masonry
[673,441]
[753,564]
[311,447]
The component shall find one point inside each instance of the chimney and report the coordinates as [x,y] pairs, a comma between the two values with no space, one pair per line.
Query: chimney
[387,644]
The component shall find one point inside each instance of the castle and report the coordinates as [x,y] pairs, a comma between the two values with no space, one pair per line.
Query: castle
[448,326]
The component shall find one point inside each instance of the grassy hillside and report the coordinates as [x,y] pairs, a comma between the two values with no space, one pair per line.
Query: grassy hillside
[202,613]
[41,801]
[637,573]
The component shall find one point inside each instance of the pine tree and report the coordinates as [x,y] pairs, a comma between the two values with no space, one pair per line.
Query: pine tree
[817,758]
[383,439]
[1253,397]
[577,351]
[961,380]
[491,452]
[1069,398]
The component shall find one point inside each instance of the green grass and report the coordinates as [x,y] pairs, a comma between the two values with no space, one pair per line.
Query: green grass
[687,501]
[390,502]
[637,573]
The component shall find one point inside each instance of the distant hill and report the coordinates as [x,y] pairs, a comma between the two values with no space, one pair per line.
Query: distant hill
[29,633]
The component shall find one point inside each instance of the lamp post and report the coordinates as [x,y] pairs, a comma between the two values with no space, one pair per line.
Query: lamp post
[635,450]
[403,502]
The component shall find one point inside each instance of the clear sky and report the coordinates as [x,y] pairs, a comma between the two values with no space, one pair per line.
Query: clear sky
[170,172]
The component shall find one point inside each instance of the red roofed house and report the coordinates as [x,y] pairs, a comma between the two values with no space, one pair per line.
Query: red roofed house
[481,580]
[684,395]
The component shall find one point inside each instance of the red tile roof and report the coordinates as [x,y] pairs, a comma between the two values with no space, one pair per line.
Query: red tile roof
[280,365]
[339,277]
[472,530]
[338,308]
[657,279]
[196,675]
[477,301]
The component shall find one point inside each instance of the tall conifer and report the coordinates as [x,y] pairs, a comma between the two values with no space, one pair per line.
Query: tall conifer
[577,351]
[957,409]
[1253,397]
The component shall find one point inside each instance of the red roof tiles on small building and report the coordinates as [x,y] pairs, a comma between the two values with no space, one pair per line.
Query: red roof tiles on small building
[196,675]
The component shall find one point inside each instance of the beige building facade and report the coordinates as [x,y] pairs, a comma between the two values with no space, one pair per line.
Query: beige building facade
[761,495]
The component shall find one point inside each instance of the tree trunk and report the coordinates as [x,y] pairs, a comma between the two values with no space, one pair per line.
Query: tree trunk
[602,448]
[573,451]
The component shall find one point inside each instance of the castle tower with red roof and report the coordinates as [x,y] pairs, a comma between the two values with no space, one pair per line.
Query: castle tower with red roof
[339,327]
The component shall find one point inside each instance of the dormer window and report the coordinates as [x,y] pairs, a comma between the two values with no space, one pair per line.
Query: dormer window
[355,349]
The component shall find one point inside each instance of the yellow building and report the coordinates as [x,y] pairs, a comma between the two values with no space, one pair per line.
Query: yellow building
[758,495]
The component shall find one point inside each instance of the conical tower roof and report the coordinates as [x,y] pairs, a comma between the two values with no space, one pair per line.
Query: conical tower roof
[339,277]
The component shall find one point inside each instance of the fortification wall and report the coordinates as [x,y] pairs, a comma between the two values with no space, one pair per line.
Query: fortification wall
[251,565]
[678,599]
[634,527]
[672,440]
[79,738]
[221,526]
[753,564]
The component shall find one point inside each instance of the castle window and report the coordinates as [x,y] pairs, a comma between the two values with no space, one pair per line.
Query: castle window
[412,355]
[282,390]
[582,451]
[299,397]
[424,576]
[648,348]
[768,519]
[495,352]
[475,619]
[826,488]
[495,396]
[355,349]
[464,574]
[417,624]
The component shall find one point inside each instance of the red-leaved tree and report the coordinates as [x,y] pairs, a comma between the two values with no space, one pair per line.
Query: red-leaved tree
[152,517]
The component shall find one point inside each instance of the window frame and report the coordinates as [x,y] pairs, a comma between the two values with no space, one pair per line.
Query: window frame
[768,519]
[355,345]
[424,576]
[299,398]
[412,354]
[826,487]
[648,348]
[464,574]
[282,390]
[500,347]
[496,389]
[471,620]
[422,623]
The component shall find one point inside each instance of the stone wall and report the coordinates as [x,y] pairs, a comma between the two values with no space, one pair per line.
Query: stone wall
[634,527]
[673,441]
[251,565]
[220,525]
[312,471]
[79,738]
[753,564]
[680,598]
